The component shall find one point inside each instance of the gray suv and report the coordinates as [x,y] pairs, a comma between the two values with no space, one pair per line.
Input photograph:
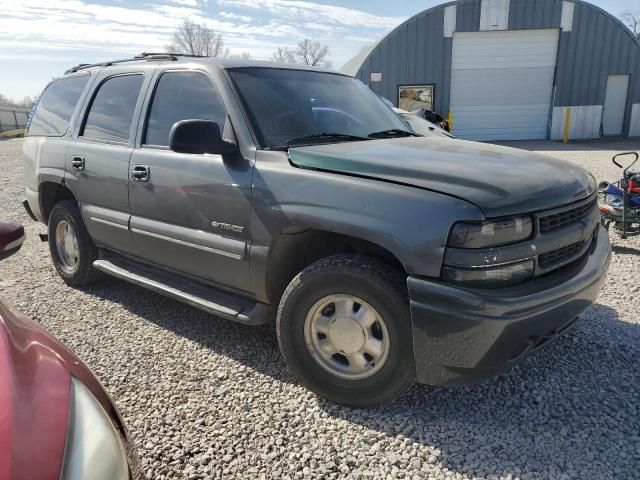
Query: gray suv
[257,191]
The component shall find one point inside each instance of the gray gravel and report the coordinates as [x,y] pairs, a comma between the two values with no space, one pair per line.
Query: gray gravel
[206,398]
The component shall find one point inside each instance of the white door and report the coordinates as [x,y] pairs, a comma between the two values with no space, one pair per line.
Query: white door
[614,104]
[502,84]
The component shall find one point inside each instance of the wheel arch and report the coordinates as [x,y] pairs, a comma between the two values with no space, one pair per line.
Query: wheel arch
[52,193]
[294,248]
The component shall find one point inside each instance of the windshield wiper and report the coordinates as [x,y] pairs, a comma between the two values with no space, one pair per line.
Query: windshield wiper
[325,136]
[392,133]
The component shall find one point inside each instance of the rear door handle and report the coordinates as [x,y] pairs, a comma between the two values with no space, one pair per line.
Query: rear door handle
[140,173]
[77,163]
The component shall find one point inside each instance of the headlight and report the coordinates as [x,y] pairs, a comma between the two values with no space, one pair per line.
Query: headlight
[491,233]
[94,450]
[492,277]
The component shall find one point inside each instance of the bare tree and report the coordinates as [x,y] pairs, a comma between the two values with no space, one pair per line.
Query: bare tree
[313,53]
[284,55]
[26,102]
[307,52]
[241,55]
[633,22]
[197,39]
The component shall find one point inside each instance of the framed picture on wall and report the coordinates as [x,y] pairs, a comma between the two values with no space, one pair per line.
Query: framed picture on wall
[414,97]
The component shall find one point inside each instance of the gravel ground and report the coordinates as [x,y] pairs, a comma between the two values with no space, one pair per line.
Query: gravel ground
[207,398]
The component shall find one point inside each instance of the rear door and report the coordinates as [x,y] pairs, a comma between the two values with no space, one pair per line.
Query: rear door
[614,104]
[49,134]
[98,157]
[190,212]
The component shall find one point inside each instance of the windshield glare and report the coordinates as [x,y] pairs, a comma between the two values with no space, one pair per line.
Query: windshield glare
[289,104]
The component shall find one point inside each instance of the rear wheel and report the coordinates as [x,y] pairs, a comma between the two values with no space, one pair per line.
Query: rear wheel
[72,250]
[344,329]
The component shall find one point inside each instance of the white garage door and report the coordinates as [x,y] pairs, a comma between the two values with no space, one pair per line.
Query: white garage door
[501,84]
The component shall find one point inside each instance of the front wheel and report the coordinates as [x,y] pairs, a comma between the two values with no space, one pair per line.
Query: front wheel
[344,329]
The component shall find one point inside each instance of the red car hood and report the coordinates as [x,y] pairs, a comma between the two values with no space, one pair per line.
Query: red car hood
[35,393]
[9,233]
[35,386]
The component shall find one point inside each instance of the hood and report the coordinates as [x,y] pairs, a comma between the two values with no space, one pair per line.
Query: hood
[35,394]
[499,180]
[35,389]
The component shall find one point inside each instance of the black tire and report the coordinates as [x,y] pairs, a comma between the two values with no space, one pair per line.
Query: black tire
[83,273]
[376,283]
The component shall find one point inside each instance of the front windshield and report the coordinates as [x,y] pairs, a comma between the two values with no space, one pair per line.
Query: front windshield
[294,104]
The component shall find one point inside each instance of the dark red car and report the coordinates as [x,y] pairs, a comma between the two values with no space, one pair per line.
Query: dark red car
[56,419]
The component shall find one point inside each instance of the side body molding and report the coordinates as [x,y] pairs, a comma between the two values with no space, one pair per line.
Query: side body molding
[187,237]
[110,226]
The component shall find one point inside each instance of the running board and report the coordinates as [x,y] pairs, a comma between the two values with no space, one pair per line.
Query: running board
[211,300]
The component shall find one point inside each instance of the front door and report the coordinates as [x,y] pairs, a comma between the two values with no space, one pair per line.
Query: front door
[190,212]
[97,161]
[614,104]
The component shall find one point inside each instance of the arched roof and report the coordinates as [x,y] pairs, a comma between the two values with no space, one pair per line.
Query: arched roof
[355,64]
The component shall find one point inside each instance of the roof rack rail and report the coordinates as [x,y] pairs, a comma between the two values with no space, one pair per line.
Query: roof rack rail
[143,56]
[152,54]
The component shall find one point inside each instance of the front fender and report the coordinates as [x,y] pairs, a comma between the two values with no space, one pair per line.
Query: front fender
[410,222]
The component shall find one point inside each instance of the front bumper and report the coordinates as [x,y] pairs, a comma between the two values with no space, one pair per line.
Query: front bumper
[463,336]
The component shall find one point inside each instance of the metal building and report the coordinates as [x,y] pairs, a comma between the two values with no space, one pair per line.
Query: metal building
[509,69]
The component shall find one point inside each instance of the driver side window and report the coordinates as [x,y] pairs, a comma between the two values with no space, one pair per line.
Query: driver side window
[181,96]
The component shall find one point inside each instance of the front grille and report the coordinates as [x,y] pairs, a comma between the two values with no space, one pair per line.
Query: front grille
[560,255]
[552,222]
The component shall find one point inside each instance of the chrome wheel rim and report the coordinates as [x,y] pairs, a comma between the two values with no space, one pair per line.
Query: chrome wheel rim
[346,336]
[67,246]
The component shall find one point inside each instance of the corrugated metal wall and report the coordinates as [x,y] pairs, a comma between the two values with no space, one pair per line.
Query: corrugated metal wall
[415,52]
[532,14]
[598,45]
[468,15]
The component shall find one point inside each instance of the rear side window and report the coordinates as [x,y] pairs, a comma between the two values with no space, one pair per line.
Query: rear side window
[56,105]
[111,110]
[182,96]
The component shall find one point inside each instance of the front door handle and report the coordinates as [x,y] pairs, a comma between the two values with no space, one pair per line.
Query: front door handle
[140,173]
[77,163]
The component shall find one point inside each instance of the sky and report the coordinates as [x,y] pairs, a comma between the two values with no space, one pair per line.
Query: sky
[40,39]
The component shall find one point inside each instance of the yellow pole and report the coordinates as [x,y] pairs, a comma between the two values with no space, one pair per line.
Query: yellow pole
[450,122]
[567,125]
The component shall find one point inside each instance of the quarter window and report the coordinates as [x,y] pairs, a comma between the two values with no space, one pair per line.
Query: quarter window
[111,111]
[56,105]
[182,96]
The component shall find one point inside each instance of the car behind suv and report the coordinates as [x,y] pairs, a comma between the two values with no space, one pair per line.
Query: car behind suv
[256,190]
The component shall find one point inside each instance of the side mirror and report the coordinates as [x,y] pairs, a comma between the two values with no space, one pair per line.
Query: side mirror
[11,238]
[199,136]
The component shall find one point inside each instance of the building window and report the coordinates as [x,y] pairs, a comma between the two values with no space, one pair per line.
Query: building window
[415,97]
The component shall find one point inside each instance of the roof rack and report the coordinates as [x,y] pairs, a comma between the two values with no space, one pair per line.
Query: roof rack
[143,56]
